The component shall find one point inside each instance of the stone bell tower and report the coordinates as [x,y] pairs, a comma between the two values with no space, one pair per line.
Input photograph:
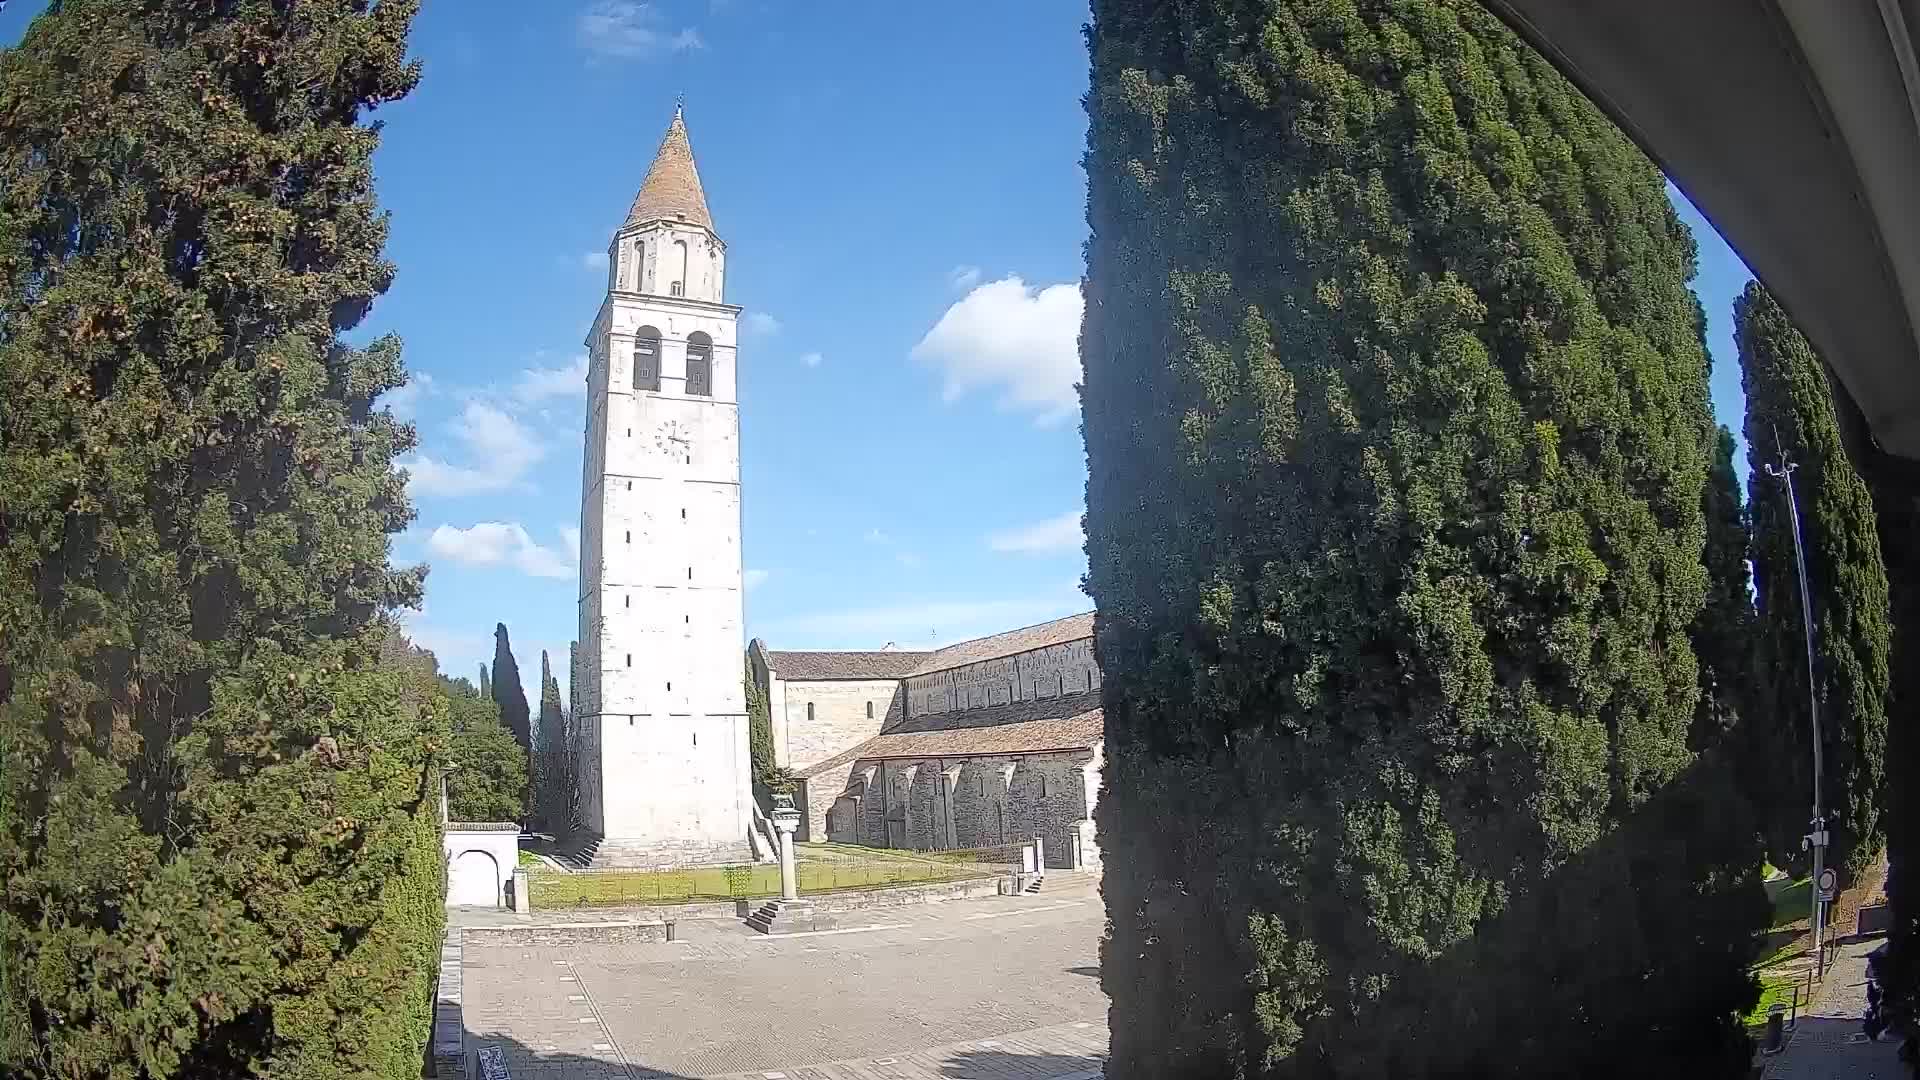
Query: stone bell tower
[664,773]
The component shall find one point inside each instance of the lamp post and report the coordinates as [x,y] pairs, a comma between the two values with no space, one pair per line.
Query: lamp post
[1816,840]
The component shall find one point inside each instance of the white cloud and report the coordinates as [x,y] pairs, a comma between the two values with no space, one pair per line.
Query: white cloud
[1005,334]
[572,536]
[753,578]
[629,29]
[760,324]
[501,447]
[1054,534]
[594,260]
[811,359]
[962,278]
[541,383]
[499,543]
[405,402]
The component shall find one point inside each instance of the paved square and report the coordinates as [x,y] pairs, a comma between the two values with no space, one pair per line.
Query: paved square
[991,989]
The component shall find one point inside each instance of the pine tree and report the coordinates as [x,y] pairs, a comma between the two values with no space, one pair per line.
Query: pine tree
[1398,432]
[220,847]
[1790,409]
[507,691]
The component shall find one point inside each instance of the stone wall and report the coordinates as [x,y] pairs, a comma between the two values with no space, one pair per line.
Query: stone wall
[845,713]
[970,802]
[1066,668]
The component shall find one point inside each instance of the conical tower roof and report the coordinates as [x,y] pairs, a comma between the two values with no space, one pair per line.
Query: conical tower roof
[671,191]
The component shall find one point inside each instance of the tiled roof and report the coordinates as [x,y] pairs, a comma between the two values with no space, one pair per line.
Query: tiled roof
[826,666]
[1073,722]
[671,191]
[1071,628]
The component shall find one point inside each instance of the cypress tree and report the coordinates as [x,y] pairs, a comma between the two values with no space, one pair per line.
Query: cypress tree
[486,684]
[1723,632]
[1790,408]
[548,761]
[1397,431]
[218,828]
[507,691]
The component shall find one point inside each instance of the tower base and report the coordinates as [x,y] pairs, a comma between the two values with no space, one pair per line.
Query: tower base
[629,853]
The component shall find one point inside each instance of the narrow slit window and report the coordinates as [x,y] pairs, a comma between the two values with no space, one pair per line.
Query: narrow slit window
[629,659]
[809,712]
[869,710]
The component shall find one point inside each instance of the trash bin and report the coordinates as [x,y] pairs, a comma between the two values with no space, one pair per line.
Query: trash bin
[1776,1030]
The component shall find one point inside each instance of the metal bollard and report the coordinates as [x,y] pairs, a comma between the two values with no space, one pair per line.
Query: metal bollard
[1776,1030]
[669,931]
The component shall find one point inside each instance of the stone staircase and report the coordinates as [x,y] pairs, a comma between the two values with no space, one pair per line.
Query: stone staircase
[1033,884]
[580,851]
[790,917]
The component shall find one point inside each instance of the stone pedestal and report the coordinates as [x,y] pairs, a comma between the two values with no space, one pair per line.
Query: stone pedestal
[786,821]
[785,916]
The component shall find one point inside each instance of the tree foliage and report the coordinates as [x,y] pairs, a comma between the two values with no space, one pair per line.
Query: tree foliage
[768,777]
[504,684]
[552,778]
[1398,434]
[489,782]
[1723,631]
[220,849]
[1790,408]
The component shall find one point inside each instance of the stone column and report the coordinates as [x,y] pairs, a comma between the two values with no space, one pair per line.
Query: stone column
[786,820]
[1040,853]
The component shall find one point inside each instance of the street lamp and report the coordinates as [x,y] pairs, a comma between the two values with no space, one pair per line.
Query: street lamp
[1815,840]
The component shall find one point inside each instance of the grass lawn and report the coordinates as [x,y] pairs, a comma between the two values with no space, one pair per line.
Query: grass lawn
[530,861]
[1775,989]
[1794,903]
[619,887]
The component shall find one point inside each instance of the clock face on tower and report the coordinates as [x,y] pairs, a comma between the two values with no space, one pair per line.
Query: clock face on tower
[670,438]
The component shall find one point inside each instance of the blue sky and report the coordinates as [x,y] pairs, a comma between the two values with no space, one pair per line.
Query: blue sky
[900,190]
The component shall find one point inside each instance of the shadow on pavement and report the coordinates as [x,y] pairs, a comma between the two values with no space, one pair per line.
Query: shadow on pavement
[998,1064]
[1091,972]
[531,1063]
[525,1062]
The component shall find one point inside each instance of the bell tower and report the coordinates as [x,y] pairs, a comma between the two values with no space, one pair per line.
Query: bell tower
[663,773]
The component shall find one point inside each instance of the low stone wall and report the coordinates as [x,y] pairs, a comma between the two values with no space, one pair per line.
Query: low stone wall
[903,895]
[563,934]
[449,1030]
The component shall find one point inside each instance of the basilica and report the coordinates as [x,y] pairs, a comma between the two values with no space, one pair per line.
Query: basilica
[984,743]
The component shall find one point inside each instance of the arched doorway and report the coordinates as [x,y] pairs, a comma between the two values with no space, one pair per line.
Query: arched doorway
[473,881]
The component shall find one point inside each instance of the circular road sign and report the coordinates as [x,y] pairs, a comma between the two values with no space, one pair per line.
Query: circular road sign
[1828,881]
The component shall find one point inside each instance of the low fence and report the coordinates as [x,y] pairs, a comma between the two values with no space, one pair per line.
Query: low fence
[824,874]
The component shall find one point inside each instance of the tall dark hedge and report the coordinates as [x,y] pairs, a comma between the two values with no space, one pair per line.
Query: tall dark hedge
[1398,432]
[218,818]
[504,685]
[1790,407]
[1895,484]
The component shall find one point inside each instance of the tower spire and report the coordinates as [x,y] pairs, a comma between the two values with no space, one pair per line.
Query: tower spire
[671,191]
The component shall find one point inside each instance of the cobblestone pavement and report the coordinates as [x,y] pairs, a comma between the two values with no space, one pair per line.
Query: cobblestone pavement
[1828,1044]
[992,989]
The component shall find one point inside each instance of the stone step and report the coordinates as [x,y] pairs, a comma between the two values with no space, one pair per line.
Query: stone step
[791,917]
